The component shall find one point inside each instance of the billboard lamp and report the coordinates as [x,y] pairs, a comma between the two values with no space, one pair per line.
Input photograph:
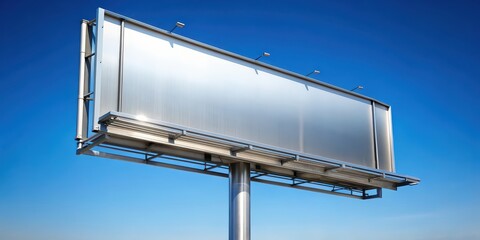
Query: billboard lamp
[178,24]
[264,54]
[357,87]
[314,72]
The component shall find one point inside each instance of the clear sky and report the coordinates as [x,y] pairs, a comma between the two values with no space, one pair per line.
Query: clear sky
[421,57]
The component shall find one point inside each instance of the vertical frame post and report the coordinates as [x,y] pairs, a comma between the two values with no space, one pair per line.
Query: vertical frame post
[239,202]
[97,66]
[375,141]
[120,65]
[83,84]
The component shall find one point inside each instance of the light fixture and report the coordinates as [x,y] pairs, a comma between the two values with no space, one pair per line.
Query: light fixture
[357,87]
[314,72]
[264,54]
[178,24]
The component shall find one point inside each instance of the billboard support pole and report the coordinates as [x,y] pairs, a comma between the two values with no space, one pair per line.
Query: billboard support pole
[82,85]
[239,201]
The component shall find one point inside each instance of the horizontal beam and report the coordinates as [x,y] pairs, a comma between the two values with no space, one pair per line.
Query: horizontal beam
[154,163]
[305,188]
[220,174]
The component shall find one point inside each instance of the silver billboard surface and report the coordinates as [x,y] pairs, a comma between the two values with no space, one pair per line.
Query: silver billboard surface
[176,81]
[152,86]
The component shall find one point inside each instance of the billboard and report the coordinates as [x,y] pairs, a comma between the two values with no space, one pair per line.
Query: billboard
[154,89]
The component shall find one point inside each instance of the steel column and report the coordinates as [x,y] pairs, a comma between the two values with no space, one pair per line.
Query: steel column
[82,85]
[120,65]
[239,222]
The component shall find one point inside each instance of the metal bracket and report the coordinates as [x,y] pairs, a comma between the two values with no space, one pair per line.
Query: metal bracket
[378,195]
[87,97]
[92,22]
[259,175]
[289,159]
[235,150]
[336,189]
[208,157]
[210,167]
[89,55]
[107,120]
[297,182]
[173,137]
[377,177]
[152,157]
[407,182]
[97,142]
[333,168]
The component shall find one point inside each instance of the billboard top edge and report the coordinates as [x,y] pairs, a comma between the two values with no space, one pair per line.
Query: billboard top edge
[102,12]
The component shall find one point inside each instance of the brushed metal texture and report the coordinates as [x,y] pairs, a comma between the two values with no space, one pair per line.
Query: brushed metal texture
[180,82]
[383,134]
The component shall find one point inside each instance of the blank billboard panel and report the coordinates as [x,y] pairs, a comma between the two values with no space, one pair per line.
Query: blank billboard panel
[174,80]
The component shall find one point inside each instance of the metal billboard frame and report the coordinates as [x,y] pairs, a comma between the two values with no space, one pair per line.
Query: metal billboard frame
[374,179]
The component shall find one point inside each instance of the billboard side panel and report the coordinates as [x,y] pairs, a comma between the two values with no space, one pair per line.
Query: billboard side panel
[384,138]
[98,68]
[392,149]
[107,66]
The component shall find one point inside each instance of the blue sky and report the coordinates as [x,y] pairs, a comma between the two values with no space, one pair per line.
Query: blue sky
[421,57]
